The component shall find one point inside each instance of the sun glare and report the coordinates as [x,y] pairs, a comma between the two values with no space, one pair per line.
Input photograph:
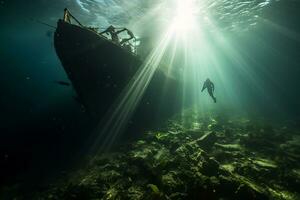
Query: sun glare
[185,16]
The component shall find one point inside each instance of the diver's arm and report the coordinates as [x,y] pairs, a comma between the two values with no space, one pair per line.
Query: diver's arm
[203,88]
[131,36]
[101,33]
[120,31]
[213,87]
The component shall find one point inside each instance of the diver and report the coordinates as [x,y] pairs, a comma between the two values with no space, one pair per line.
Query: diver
[210,89]
[127,46]
[67,17]
[131,36]
[113,33]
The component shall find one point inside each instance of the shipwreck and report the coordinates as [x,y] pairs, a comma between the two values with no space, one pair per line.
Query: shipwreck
[99,68]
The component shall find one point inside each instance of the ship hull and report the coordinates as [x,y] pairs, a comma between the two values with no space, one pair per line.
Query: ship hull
[97,68]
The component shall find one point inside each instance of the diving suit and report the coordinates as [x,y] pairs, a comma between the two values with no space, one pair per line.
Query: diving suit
[210,89]
[113,33]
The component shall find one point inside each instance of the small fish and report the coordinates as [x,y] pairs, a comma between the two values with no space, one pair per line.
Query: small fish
[63,83]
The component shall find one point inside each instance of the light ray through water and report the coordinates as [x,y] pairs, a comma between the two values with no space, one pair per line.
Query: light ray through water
[125,105]
[194,48]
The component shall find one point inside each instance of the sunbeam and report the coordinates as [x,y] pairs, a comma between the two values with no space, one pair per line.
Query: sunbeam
[188,52]
[189,45]
[121,112]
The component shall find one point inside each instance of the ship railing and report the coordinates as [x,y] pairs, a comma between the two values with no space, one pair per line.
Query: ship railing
[130,45]
[68,16]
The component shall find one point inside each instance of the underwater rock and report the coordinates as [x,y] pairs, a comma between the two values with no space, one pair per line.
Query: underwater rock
[162,159]
[153,193]
[142,154]
[207,140]
[210,167]
[229,147]
[135,192]
[255,140]
[178,196]
[172,182]
[293,180]
[109,176]
[215,127]
[238,187]
[265,163]
[245,192]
